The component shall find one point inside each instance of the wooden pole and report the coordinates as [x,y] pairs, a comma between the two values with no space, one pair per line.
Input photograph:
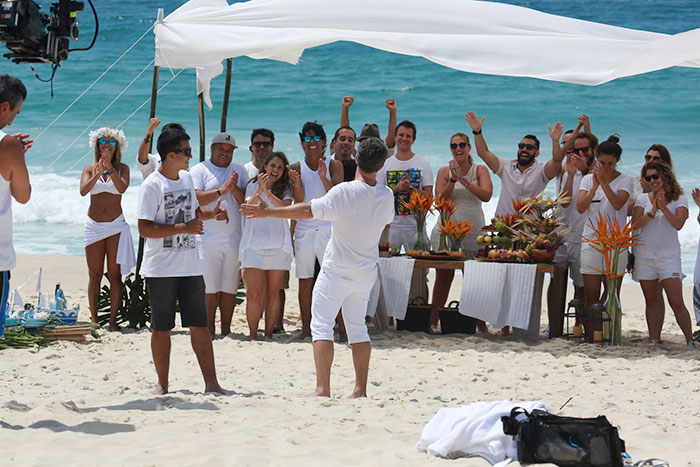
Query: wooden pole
[200,101]
[154,97]
[227,93]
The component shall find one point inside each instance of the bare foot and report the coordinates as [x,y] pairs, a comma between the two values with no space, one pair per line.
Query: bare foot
[505,332]
[319,393]
[299,324]
[160,390]
[215,388]
[356,394]
[302,335]
[113,327]
[253,337]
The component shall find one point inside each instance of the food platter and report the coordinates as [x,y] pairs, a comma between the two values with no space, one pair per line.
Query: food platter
[437,256]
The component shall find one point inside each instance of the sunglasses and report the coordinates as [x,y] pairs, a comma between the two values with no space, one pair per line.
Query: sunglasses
[103,141]
[529,147]
[187,151]
[308,139]
[651,177]
[649,157]
[580,150]
[264,144]
[455,145]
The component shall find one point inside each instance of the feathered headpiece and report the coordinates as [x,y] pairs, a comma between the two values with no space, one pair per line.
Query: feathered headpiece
[106,132]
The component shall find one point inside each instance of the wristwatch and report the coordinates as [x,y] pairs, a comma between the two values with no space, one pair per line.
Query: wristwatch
[218,192]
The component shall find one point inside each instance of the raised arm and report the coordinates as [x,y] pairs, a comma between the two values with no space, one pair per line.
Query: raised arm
[119,178]
[297,187]
[145,145]
[484,189]
[391,130]
[88,178]
[482,149]
[676,219]
[14,168]
[345,110]
[294,211]
[584,121]
[617,200]
[553,166]
[571,168]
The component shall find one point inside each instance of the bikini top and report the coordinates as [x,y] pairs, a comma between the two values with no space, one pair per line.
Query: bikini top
[103,186]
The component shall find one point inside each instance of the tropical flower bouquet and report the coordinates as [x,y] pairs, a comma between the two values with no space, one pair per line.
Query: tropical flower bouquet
[445,208]
[539,229]
[610,240]
[455,232]
[420,204]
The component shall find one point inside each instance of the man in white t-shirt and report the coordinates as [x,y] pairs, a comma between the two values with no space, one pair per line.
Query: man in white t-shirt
[14,179]
[349,267]
[311,235]
[146,162]
[262,144]
[221,180]
[170,219]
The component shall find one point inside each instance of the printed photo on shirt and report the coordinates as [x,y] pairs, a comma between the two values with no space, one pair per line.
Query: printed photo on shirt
[393,177]
[178,209]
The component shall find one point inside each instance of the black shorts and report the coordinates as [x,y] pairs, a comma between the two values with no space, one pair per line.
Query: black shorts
[164,292]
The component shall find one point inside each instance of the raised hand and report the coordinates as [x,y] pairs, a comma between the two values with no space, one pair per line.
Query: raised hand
[153,124]
[454,169]
[597,175]
[556,132]
[26,143]
[251,211]
[390,104]
[404,184]
[474,122]
[263,182]
[571,164]
[106,162]
[294,176]
[347,102]
[584,121]
[660,200]
[220,213]
[322,169]
[696,196]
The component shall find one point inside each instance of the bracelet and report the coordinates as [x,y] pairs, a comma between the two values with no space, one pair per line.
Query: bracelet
[218,192]
[452,180]
[476,132]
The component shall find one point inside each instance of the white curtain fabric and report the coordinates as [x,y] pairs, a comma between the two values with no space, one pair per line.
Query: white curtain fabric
[473,36]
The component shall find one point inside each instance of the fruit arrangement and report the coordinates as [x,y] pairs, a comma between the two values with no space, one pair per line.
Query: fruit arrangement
[452,254]
[539,227]
[509,255]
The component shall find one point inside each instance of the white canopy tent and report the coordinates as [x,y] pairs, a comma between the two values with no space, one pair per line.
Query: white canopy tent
[473,36]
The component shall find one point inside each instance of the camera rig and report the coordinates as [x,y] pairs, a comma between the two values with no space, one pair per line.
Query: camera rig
[36,37]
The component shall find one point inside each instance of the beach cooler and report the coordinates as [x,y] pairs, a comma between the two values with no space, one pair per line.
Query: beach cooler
[417,318]
[454,322]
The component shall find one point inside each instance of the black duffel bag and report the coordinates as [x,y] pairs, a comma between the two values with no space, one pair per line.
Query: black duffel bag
[564,441]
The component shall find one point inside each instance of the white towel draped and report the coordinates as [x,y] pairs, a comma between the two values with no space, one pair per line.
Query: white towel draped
[96,231]
[473,430]
[395,280]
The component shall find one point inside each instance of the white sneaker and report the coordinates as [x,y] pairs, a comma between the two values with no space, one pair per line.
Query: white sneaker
[691,345]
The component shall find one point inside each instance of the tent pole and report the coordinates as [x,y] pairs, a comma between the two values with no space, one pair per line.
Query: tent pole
[200,101]
[227,93]
[154,97]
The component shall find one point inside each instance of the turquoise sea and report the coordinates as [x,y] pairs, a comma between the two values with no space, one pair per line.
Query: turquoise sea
[661,107]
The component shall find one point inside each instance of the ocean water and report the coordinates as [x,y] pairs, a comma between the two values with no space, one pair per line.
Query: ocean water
[660,107]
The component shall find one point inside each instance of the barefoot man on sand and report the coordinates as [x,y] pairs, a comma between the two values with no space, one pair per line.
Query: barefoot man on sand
[349,267]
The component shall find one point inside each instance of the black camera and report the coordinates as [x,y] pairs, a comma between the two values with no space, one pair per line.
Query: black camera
[36,37]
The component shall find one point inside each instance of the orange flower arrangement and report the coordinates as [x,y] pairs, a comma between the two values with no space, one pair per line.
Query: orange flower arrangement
[456,231]
[518,204]
[420,204]
[445,207]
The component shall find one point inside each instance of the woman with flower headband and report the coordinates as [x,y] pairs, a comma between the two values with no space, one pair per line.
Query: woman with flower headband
[659,215]
[106,233]
[468,185]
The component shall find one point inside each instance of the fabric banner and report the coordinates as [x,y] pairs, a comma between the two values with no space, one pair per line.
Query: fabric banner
[473,36]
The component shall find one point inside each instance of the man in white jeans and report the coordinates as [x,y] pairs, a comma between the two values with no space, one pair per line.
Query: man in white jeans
[349,267]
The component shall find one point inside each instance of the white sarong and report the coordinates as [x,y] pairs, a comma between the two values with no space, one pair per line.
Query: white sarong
[95,231]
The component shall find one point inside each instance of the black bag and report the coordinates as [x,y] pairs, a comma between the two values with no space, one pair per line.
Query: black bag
[564,441]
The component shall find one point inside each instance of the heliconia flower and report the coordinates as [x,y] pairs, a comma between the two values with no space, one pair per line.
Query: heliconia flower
[445,207]
[609,240]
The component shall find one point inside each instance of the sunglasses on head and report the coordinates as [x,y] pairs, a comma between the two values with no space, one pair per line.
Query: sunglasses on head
[264,144]
[529,147]
[649,157]
[308,139]
[651,177]
[186,151]
[455,145]
[103,141]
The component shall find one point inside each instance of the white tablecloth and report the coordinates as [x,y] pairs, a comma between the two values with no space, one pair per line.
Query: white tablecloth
[392,288]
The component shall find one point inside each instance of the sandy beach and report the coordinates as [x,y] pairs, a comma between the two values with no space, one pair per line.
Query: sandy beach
[90,403]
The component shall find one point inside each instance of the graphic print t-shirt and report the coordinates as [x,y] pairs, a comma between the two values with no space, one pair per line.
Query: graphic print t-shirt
[169,202]
[419,173]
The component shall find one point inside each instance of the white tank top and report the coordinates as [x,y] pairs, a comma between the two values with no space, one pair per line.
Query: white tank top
[313,189]
[7,251]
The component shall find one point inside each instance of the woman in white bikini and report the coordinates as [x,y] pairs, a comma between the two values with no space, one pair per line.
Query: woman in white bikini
[106,233]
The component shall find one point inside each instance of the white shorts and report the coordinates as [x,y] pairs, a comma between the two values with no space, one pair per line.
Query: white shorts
[569,254]
[274,259]
[663,267]
[330,294]
[309,246]
[221,266]
[592,262]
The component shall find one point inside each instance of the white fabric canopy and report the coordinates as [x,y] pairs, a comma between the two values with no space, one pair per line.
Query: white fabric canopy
[473,36]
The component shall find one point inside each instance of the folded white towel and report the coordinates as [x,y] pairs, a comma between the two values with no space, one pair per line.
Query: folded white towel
[473,430]
[95,231]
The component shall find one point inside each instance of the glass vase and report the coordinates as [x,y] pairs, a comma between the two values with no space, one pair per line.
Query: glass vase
[453,244]
[442,246]
[612,329]
[420,241]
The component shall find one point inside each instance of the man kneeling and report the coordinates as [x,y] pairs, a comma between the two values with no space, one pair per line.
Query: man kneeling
[358,211]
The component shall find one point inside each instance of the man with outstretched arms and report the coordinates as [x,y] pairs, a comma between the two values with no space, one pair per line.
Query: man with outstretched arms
[146,162]
[14,179]
[391,130]
[220,180]
[311,235]
[170,219]
[349,267]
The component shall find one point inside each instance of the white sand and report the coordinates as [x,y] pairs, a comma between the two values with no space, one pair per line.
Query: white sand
[87,404]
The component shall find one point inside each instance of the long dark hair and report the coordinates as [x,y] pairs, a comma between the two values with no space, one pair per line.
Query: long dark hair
[281,186]
[671,187]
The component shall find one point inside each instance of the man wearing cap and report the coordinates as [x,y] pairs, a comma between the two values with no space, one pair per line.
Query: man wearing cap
[220,180]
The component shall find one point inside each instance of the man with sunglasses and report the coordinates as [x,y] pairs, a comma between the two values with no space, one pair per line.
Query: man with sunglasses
[262,144]
[311,235]
[170,219]
[220,180]
[14,179]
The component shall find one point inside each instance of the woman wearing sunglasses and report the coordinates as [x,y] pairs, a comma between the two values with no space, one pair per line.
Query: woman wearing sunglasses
[266,244]
[605,191]
[106,233]
[468,185]
[659,215]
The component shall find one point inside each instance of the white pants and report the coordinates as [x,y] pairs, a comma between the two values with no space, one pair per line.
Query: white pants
[221,266]
[331,292]
[309,246]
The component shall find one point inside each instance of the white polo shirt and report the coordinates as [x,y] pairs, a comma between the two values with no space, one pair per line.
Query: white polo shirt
[518,185]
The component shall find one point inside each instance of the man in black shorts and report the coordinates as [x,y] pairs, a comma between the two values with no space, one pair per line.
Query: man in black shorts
[170,219]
